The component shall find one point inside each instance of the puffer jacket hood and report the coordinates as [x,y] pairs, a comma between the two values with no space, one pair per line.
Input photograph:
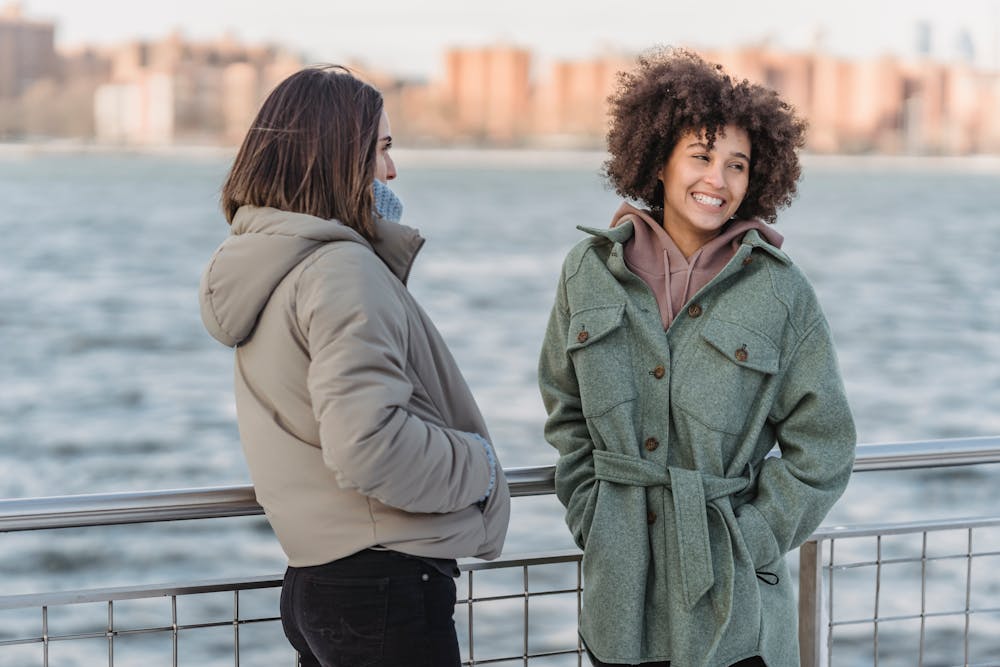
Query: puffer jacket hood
[263,246]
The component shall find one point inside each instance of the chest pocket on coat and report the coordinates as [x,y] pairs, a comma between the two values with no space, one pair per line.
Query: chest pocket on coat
[597,343]
[722,375]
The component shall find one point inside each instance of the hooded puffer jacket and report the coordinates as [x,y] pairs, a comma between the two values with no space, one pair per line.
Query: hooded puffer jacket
[356,423]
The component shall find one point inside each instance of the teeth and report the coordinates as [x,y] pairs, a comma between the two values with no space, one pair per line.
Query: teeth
[705,199]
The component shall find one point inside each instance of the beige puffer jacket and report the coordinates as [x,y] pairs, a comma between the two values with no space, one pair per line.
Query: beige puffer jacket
[353,415]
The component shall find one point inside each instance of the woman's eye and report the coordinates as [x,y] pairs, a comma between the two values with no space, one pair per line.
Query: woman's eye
[703,158]
[738,166]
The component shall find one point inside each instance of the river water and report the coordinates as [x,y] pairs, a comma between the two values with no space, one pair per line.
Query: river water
[108,381]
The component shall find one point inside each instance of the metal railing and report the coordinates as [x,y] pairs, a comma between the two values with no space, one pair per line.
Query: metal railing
[106,509]
[817,617]
[470,599]
[112,632]
[109,509]
[947,563]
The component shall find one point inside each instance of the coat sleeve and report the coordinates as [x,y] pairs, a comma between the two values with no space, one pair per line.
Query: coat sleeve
[816,436]
[566,429]
[357,333]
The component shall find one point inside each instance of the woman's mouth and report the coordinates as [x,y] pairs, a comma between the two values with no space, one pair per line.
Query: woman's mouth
[707,200]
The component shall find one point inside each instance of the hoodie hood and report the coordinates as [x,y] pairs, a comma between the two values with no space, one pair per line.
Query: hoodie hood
[263,246]
[674,279]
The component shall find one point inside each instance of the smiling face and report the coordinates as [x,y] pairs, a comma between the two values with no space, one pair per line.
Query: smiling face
[702,187]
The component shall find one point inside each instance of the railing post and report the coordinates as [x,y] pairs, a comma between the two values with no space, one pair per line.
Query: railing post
[810,603]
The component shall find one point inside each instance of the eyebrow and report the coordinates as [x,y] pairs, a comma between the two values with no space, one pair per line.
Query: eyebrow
[701,144]
[387,138]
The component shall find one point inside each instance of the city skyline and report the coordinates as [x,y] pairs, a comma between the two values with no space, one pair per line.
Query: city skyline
[175,89]
[408,38]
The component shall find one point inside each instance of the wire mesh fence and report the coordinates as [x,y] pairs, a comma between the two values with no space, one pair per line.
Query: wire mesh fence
[917,593]
[924,593]
[516,610]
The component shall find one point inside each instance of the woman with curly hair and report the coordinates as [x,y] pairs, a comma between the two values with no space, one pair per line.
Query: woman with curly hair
[682,347]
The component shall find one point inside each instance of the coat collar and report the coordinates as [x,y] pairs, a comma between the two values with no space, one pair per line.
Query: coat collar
[623,232]
[397,246]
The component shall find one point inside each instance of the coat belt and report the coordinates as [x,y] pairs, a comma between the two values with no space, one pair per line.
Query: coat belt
[691,491]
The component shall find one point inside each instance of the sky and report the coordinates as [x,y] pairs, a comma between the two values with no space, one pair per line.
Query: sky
[408,37]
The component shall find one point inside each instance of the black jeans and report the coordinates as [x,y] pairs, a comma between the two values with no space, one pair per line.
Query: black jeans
[371,609]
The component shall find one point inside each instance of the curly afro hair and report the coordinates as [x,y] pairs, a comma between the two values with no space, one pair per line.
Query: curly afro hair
[673,91]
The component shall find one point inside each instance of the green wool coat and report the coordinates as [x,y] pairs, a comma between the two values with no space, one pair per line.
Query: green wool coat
[663,439]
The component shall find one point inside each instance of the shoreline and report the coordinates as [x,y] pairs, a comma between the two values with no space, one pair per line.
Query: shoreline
[505,158]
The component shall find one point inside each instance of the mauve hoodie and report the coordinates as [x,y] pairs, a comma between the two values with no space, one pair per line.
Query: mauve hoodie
[653,256]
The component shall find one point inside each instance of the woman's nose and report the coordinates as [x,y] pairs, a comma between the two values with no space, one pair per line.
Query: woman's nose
[714,177]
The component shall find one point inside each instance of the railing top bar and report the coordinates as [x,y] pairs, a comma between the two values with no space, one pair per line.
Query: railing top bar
[137,592]
[928,454]
[217,502]
[105,509]
[929,526]
[35,600]
[529,559]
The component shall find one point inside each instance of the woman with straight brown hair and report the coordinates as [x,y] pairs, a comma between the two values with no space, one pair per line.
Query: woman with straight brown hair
[366,448]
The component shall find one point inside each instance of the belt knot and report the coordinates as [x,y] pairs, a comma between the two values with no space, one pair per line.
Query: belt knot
[691,491]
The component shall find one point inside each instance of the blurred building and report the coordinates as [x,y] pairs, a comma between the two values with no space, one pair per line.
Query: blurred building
[44,93]
[27,51]
[571,102]
[176,91]
[417,109]
[173,90]
[486,93]
[885,105]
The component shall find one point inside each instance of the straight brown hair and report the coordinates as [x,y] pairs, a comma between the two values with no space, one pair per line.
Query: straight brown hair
[311,149]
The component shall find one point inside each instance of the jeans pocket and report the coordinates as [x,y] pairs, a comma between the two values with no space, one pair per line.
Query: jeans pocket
[345,618]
